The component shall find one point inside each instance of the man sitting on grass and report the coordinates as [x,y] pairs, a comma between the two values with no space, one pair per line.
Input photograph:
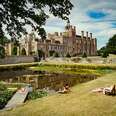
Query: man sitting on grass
[65,89]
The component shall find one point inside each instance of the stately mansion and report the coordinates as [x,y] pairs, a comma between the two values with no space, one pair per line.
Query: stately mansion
[63,43]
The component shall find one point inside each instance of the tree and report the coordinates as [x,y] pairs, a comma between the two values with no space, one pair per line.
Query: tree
[111,45]
[84,55]
[51,52]
[101,51]
[14,50]
[2,52]
[3,40]
[16,14]
[105,54]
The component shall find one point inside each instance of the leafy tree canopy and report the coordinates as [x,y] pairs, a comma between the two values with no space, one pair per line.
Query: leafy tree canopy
[16,14]
[111,45]
[3,40]
[109,48]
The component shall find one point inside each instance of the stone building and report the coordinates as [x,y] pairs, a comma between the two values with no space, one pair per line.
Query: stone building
[64,43]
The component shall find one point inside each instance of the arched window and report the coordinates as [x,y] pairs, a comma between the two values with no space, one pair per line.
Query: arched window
[2,52]
[14,50]
[23,52]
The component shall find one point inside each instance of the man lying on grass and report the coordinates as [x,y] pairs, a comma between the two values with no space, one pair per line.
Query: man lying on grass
[107,90]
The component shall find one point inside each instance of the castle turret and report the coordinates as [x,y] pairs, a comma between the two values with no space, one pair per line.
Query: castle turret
[90,35]
[82,34]
[87,34]
[56,34]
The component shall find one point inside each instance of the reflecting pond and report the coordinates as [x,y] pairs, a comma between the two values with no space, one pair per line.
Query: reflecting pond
[42,79]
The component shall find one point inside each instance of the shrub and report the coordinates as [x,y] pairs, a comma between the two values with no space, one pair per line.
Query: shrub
[76,59]
[84,55]
[74,55]
[105,54]
[99,53]
[68,55]
[4,97]
[2,87]
[56,54]
[51,52]
[36,94]
[32,53]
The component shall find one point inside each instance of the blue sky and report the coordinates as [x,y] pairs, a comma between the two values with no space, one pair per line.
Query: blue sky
[96,16]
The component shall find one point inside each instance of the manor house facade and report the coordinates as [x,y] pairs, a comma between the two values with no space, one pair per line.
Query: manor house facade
[64,43]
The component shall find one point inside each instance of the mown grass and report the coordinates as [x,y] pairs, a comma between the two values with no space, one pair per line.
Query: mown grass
[80,102]
[73,69]
[17,66]
[53,69]
[81,66]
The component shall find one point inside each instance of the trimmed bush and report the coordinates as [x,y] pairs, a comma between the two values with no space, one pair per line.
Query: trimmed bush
[68,55]
[36,94]
[84,55]
[105,54]
[51,52]
[56,54]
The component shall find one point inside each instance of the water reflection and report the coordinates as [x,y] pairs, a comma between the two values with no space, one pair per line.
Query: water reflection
[39,79]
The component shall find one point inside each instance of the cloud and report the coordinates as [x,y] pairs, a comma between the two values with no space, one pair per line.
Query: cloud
[96,16]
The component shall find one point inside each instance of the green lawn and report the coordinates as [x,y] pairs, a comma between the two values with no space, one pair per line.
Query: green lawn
[72,70]
[17,66]
[80,102]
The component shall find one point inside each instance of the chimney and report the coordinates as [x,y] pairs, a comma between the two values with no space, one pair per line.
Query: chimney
[82,34]
[56,33]
[90,35]
[60,33]
[71,27]
[52,40]
[75,28]
[87,34]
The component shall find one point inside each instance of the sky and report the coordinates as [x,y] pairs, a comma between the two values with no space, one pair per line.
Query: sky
[95,16]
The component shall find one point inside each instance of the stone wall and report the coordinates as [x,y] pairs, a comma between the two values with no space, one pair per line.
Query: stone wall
[57,81]
[17,59]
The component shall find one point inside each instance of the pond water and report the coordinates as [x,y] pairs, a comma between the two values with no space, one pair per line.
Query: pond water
[41,79]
